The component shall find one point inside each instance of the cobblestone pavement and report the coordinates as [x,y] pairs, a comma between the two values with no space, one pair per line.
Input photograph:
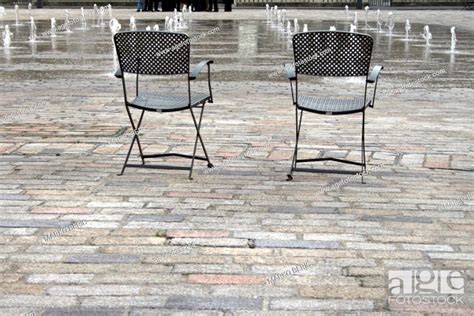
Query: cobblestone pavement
[76,238]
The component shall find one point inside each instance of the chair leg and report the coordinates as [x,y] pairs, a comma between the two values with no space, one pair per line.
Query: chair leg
[209,164]
[364,166]
[198,137]
[135,137]
[295,154]
[128,155]
[138,139]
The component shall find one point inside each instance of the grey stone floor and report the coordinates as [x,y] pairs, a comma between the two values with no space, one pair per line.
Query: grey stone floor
[155,243]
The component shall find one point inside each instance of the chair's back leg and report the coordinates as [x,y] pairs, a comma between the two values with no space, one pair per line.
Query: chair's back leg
[364,166]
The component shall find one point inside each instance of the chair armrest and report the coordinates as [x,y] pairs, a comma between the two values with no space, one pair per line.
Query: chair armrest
[198,68]
[118,74]
[374,78]
[374,74]
[290,71]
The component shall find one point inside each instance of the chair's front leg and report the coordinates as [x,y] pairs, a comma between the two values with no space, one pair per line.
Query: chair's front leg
[198,136]
[209,83]
[135,137]
[209,164]
[364,165]
[138,139]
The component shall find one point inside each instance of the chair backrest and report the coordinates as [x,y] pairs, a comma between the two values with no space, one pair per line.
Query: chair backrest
[332,53]
[152,52]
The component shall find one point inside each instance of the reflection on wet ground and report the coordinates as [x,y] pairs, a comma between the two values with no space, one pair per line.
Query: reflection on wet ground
[242,50]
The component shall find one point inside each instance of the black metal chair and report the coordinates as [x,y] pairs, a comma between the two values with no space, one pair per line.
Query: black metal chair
[160,53]
[331,54]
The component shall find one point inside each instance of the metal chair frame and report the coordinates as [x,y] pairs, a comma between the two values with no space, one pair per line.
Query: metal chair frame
[175,47]
[333,66]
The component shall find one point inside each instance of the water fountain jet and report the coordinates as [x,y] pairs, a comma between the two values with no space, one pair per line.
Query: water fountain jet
[427,35]
[407,29]
[67,22]
[83,19]
[17,17]
[7,37]
[453,39]
[53,27]
[100,21]
[94,14]
[379,23]
[366,16]
[32,37]
[114,28]
[133,26]
[391,24]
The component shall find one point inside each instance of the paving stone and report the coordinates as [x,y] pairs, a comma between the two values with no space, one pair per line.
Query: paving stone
[198,233]
[138,278]
[207,268]
[421,247]
[252,291]
[102,258]
[213,242]
[34,223]
[334,237]
[344,293]
[264,235]
[319,210]
[82,311]
[62,249]
[123,301]
[398,219]
[369,246]
[267,243]
[332,305]
[156,218]
[213,303]
[94,290]
[225,279]
[37,301]
[451,256]
[154,311]
[59,278]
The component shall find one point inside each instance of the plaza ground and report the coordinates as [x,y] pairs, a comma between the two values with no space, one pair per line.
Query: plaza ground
[156,243]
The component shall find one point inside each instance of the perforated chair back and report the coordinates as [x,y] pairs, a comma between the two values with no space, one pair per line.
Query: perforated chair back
[152,52]
[332,53]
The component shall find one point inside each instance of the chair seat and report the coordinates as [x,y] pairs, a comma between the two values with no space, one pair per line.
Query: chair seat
[166,103]
[332,106]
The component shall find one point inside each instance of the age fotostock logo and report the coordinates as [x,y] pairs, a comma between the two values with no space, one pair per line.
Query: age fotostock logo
[426,286]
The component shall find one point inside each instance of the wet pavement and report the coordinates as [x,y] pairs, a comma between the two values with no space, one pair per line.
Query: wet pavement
[154,243]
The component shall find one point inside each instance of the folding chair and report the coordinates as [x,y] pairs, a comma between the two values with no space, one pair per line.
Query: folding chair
[160,53]
[331,54]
